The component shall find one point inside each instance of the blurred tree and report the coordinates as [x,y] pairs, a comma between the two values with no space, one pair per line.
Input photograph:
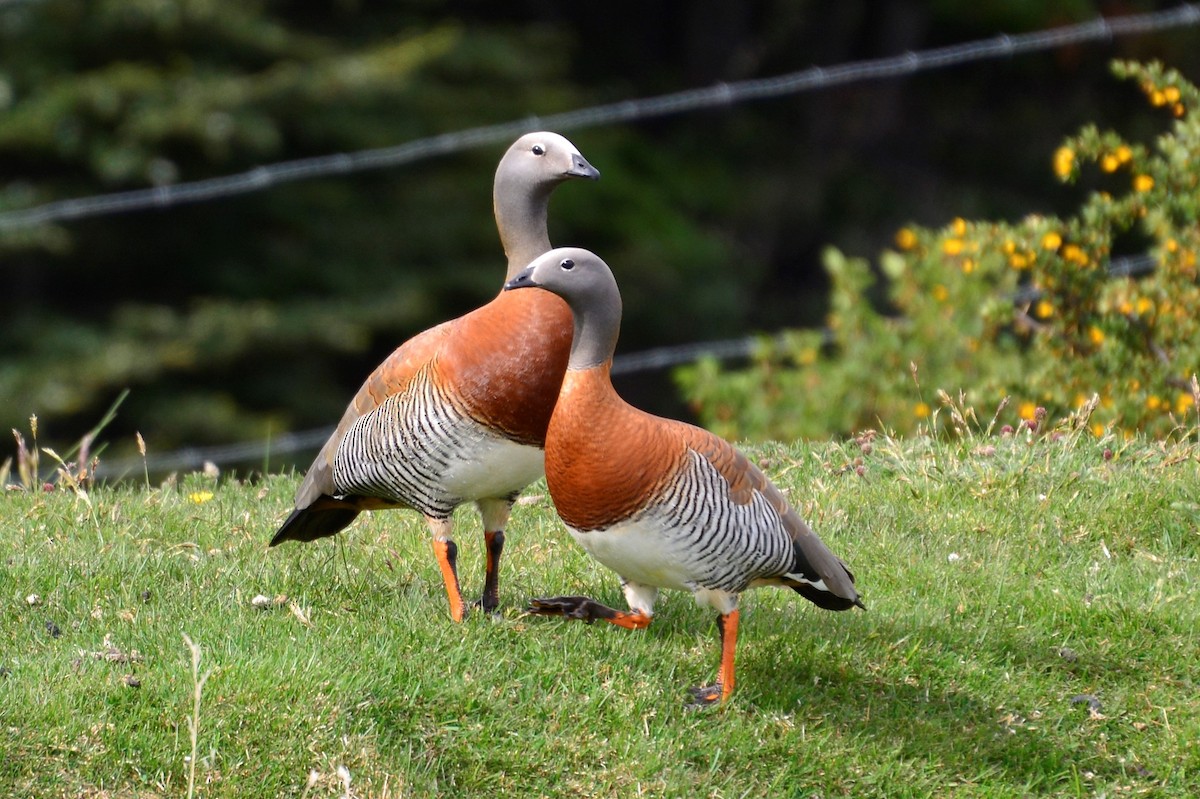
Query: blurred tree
[261,312]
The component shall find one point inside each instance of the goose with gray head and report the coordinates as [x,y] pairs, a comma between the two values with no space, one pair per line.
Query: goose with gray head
[662,503]
[459,412]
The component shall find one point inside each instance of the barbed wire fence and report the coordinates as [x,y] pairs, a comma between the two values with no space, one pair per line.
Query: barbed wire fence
[721,94]
[655,359]
[625,111]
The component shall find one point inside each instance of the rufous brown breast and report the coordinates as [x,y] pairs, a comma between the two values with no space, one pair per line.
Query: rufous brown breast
[606,460]
[491,370]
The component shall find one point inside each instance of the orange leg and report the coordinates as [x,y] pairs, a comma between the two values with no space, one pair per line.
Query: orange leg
[727,623]
[494,543]
[588,610]
[494,513]
[446,552]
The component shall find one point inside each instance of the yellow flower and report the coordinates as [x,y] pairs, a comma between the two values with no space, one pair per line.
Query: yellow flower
[960,226]
[1158,98]
[1184,402]
[1044,309]
[1027,410]
[1064,162]
[1145,305]
[1126,307]
[1018,261]
[920,410]
[200,497]
[1171,94]
[1095,335]
[1143,183]
[1153,402]
[906,239]
[952,246]
[1074,254]
[1051,241]
[1080,400]
[1097,430]
[1123,153]
[1171,245]
[968,266]
[1109,162]
[1009,247]
[940,293]
[1178,109]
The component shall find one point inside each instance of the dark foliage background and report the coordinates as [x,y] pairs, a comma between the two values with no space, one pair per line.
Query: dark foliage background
[258,314]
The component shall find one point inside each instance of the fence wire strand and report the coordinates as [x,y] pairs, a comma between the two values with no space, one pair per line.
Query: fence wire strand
[721,94]
[651,360]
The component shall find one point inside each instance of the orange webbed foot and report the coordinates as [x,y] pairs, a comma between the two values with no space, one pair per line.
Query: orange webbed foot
[706,695]
[587,610]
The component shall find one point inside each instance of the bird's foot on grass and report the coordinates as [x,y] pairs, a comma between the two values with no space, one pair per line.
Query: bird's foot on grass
[705,695]
[569,607]
[490,608]
[587,610]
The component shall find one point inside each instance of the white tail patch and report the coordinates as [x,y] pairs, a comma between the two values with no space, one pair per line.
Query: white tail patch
[800,578]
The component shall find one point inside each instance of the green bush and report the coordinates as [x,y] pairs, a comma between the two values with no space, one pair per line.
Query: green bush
[1009,316]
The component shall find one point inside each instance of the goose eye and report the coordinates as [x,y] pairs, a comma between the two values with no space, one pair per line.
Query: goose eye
[567,264]
[539,149]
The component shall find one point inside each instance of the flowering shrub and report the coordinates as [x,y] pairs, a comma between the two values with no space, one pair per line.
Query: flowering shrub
[994,310]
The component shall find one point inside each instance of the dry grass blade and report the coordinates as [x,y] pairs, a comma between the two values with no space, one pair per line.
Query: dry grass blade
[198,681]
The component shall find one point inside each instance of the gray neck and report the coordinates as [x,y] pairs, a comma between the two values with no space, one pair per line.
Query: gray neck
[521,219]
[597,324]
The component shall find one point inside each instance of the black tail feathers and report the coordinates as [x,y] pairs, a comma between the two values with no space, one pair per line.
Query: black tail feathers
[309,524]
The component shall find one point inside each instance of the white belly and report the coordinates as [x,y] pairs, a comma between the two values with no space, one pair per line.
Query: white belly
[430,457]
[494,467]
[639,551]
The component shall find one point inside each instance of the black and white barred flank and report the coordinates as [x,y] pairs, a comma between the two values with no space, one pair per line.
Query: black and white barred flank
[724,545]
[402,450]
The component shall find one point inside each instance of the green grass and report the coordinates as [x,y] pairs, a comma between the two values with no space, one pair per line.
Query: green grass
[1001,586]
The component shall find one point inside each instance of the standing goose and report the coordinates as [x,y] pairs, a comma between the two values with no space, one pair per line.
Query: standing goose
[662,503]
[458,413]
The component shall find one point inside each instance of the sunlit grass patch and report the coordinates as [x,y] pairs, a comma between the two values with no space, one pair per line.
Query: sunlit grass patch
[1030,617]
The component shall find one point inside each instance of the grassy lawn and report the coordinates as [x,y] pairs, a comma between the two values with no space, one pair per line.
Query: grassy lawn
[1032,630]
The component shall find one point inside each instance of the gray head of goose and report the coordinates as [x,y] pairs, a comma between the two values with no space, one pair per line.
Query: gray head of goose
[529,171]
[587,284]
